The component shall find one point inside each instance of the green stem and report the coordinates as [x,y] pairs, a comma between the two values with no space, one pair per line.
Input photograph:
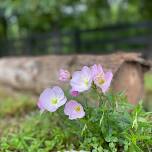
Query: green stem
[99,94]
[101,119]
[84,128]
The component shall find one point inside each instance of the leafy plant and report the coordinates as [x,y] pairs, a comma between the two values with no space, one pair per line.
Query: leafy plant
[108,123]
[117,126]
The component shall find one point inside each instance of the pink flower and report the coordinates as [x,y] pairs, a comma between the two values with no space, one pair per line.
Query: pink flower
[74,110]
[81,80]
[100,78]
[51,99]
[40,105]
[64,75]
[74,93]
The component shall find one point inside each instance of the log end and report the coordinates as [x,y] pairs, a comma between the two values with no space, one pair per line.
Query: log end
[130,79]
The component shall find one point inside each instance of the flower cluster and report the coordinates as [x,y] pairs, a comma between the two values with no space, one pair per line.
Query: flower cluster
[53,98]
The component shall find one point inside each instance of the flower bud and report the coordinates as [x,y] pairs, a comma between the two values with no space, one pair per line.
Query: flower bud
[64,75]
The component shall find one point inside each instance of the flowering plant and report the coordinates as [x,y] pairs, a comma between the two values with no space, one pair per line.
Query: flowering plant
[93,119]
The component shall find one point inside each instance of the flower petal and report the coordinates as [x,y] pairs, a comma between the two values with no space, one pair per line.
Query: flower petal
[81,80]
[58,92]
[108,78]
[50,94]
[71,110]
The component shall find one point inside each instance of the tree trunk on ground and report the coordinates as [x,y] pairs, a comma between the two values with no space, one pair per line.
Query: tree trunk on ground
[36,73]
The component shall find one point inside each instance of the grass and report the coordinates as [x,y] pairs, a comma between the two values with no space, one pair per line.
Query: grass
[13,109]
[148,91]
[16,107]
[28,134]
[148,81]
[23,129]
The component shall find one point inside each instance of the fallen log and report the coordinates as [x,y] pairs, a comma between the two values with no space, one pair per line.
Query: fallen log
[36,73]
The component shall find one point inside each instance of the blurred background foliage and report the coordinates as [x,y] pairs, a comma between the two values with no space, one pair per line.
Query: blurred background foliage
[22,17]
[28,27]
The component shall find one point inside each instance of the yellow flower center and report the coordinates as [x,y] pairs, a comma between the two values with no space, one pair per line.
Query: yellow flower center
[100,79]
[86,82]
[77,108]
[54,101]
